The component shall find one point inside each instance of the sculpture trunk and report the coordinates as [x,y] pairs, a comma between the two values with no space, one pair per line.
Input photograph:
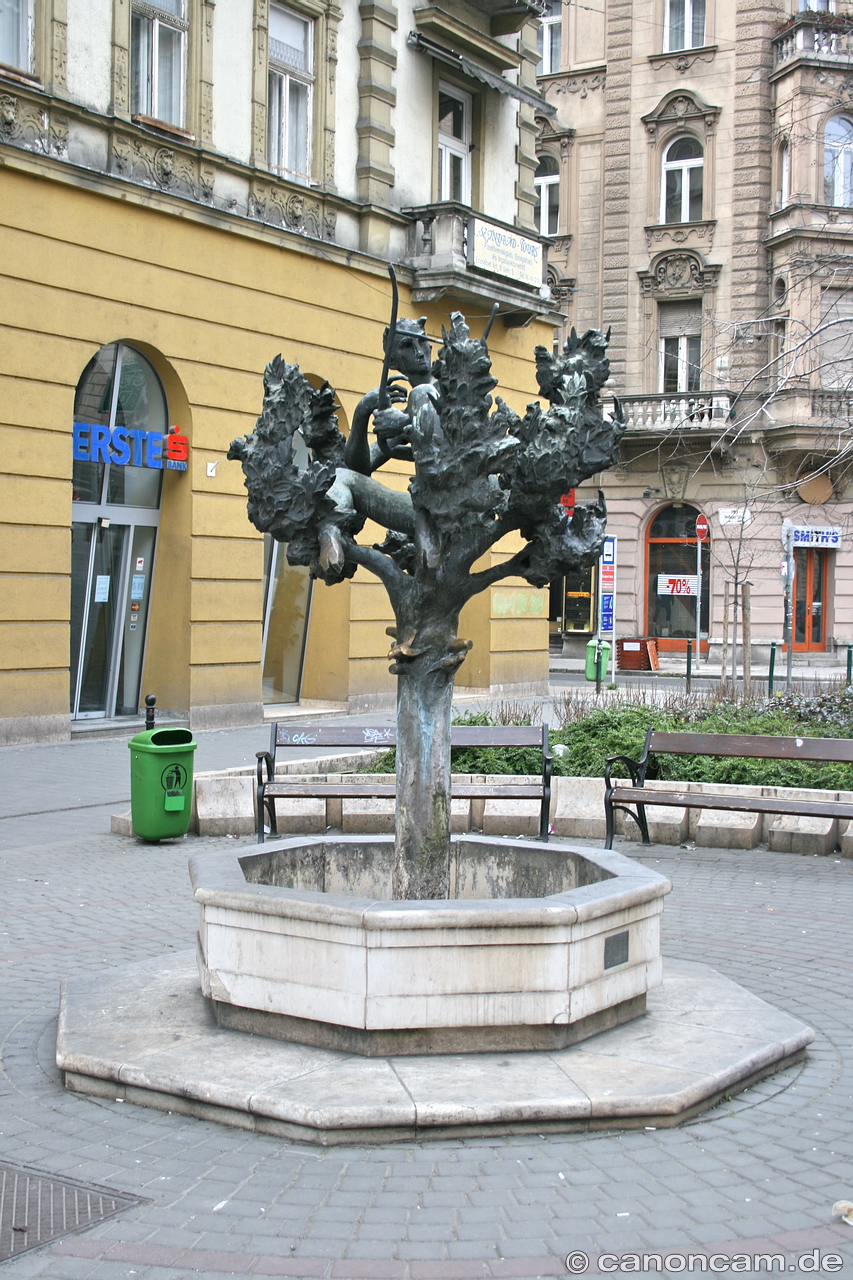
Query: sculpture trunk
[422,856]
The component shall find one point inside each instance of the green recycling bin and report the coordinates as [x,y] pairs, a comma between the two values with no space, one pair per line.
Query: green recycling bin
[161,783]
[590,659]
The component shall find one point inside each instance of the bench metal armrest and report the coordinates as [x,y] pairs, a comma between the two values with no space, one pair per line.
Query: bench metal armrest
[634,768]
[264,757]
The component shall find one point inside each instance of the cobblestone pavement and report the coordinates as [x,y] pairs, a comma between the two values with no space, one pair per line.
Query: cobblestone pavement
[758,1174]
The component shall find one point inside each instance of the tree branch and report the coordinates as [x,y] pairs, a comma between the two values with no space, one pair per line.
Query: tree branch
[395,581]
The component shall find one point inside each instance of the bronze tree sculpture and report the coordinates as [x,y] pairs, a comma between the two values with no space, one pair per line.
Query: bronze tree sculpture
[479,473]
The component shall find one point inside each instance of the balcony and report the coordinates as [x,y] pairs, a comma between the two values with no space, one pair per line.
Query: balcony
[660,414]
[456,253]
[822,37]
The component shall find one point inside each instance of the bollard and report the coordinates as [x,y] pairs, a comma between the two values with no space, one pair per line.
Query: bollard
[689,663]
[850,664]
[772,669]
[149,710]
[598,656]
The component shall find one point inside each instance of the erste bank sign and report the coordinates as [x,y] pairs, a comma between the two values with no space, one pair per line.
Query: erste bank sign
[128,446]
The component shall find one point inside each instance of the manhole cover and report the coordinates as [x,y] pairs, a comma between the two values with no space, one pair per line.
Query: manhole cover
[35,1208]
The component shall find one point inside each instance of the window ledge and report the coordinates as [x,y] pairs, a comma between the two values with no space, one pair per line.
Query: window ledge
[161,126]
[683,59]
[22,77]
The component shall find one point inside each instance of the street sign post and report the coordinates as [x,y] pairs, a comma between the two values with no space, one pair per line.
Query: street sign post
[607,598]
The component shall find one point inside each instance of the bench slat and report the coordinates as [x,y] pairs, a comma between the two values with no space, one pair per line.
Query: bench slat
[739,804]
[299,790]
[752,746]
[461,735]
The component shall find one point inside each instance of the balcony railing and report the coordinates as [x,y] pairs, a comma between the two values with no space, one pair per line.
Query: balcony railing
[832,406]
[702,411]
[828,38]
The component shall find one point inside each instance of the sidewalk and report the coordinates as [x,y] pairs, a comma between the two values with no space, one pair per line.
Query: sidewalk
[757,1174]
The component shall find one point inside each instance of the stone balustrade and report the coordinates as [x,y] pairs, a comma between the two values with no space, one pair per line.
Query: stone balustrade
[812,37]
[671,413]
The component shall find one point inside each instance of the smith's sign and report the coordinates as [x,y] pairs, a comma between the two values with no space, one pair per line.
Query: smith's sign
[127,446]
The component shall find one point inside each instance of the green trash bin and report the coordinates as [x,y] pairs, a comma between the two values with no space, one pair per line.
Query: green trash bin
[590,658]
[161,783]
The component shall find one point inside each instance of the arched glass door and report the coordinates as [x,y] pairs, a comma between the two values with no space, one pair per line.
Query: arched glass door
[120,428]
[671,578]
[810,565]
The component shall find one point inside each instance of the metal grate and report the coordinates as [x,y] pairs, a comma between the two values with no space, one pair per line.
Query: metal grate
[35,1208]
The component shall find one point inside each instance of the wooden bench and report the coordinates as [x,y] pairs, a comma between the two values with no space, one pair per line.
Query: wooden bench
[746,746]
[270,788]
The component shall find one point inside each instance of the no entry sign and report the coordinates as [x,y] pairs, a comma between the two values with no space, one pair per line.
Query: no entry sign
[701,527]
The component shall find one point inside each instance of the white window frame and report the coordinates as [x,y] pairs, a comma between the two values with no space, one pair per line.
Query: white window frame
[784,174]
[281,73]
[542,187]
[550,58]
[842,193]
[690,9]
[159,17]
[686,167]
[686,364]
[23,59]
[817,6]
[449,146]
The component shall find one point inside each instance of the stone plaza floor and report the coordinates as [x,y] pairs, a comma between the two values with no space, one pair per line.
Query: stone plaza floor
[756,1175]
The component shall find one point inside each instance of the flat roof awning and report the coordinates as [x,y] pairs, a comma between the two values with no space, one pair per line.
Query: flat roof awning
[476,72]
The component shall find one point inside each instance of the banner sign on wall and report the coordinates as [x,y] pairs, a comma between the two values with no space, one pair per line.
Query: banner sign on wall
[126,446]
[505,253]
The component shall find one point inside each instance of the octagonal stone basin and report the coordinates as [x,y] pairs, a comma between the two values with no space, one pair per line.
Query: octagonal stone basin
[538,947]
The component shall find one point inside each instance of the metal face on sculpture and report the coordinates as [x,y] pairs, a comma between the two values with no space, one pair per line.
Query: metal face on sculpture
[480,472]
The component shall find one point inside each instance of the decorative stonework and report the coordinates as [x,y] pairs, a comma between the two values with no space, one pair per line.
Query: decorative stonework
[32,127]
[155,165]
[679,275]
[683,60]
[581,85]
[678,109]
[700,234]
[840,86]
[290,210]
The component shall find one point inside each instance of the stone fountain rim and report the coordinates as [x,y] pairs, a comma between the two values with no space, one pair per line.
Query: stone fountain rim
[218,881]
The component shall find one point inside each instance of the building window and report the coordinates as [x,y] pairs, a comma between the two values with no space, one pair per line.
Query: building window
[671,563]
[681,182]
[454,145]
[680,329]
[15,33]
[838,162]
[784,175]
[546,180]
[157,61]
[291,67]
[684,25]
[550,39]
[817,6]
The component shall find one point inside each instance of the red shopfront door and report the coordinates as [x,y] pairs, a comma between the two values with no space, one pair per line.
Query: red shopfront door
[809,598]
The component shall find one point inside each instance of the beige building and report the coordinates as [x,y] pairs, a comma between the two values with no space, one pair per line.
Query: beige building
[696,183]
[186,190]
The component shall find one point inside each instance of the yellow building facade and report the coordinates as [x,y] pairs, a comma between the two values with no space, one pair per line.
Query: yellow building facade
[138,316]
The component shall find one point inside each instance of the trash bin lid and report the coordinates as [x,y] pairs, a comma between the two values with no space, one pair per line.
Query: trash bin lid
[163,739]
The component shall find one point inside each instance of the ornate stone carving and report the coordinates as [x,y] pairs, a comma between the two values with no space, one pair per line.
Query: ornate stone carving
[581,85]
[329,159]
[679,274]
[678,109]
[26,125]
[120,78]
[60,54]
[683,61]
[156,165]
[279,207]
[681,233]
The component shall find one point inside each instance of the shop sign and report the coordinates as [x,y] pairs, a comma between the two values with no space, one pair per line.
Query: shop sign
[126,446]
[802,536]
[680,585]
[505,253]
